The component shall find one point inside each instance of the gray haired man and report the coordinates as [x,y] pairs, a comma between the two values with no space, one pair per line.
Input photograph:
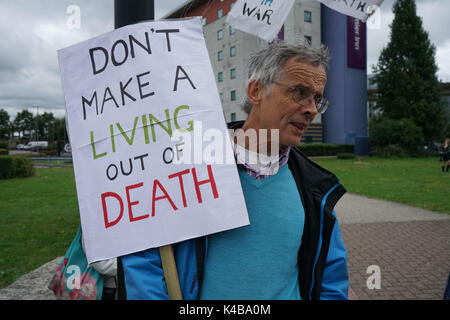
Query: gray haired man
[292,248]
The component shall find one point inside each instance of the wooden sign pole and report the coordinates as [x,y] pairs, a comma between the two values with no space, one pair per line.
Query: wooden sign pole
[170,273]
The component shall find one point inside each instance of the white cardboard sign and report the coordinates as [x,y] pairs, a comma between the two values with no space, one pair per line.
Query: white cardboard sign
[128,93]
[263,18]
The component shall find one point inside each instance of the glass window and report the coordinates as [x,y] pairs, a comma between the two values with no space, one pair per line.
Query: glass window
[219,34]
[308,39]
[219,13]
[233,95]
[232,51]
[219,55]
[233,116]
[307,16]
[220,76]
[221,97]
[231,5]
[203,21]
[232,30]
[233,73]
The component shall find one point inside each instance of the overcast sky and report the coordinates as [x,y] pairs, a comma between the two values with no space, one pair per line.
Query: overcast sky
[33,31]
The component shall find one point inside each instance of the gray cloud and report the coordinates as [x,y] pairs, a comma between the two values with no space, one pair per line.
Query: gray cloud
[164,7]
[33,31]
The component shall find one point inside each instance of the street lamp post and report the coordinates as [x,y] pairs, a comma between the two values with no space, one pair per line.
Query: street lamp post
[37,123]
[132,11]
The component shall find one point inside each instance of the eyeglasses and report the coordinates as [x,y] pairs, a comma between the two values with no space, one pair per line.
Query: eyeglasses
[301,96]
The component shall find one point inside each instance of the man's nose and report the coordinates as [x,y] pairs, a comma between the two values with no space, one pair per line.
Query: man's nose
[310,106]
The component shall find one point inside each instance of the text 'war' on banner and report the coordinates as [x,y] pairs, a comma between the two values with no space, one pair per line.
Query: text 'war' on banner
[262,18]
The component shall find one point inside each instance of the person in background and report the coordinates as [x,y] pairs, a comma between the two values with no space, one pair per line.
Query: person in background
[445,155]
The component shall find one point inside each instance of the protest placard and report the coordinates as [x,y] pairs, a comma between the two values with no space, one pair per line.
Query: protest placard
[263,18]
[129,93]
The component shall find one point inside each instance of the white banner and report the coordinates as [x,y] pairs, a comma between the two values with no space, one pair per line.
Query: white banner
[139,99]
[263,18]
[360,9]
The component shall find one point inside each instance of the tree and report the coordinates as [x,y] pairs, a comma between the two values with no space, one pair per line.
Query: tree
[405,75]
[60,130]
[5,125]
[24,123]
[46,126]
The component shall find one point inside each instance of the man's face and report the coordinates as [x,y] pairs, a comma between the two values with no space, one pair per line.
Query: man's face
[277,110]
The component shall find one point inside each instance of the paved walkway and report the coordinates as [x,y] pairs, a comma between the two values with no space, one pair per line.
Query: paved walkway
[410,246]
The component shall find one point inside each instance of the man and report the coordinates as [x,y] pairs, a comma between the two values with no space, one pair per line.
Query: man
[292,248]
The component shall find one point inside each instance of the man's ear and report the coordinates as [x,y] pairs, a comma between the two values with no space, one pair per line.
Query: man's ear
[254,92]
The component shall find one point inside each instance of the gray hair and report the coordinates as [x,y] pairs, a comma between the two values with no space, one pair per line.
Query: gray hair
[267,64]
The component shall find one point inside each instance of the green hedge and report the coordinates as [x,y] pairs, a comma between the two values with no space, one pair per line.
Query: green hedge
[7,167]
[326,149]
[15,167]
[24,167]
[4,145]
[394,137]
[346,156]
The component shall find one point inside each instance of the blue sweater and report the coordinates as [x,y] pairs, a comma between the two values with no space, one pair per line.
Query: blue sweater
[259,261]
[322,256]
